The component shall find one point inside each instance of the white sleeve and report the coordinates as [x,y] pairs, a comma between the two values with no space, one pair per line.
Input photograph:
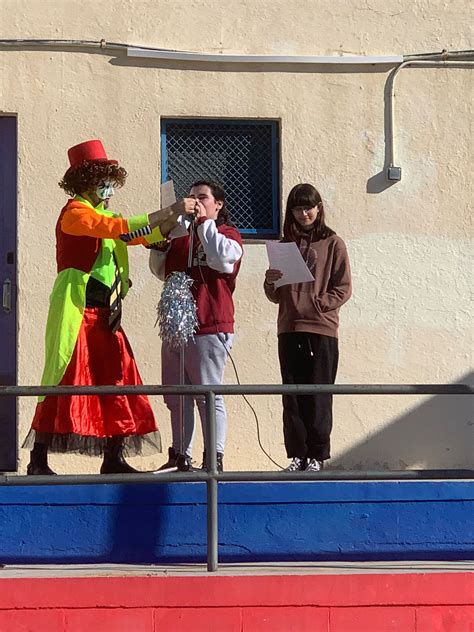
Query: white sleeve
[221,252]
[157,263]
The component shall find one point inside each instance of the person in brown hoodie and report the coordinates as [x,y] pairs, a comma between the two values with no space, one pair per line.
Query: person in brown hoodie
[308,320]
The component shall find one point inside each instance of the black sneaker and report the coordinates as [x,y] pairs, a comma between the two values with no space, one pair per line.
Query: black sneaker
[297,465]
[184,463]
[172,458]
[219,459]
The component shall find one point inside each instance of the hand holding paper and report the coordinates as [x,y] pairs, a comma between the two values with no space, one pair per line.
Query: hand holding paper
[287,258]
[168,198]
[173,219]
[272,276]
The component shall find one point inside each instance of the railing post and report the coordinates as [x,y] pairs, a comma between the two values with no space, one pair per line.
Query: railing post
[211,458]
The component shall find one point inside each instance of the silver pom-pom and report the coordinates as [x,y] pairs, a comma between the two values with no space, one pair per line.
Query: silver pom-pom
[176,311]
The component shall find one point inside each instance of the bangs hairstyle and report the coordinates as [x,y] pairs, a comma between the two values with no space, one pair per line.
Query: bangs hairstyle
[90,174]
[219,195]
[305,196]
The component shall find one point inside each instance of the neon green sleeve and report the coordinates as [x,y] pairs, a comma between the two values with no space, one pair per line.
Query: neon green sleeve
[138,221]
[155,236]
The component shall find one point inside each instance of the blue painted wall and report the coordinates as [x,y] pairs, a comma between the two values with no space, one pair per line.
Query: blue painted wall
[160,522]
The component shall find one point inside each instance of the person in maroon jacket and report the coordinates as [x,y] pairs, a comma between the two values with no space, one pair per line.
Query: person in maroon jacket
[217,253]
[308,320]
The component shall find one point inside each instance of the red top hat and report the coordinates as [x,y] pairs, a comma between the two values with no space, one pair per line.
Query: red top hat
[91,150]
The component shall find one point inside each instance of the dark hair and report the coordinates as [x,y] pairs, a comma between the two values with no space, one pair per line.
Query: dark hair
[305,196]
[219,194]
[90,174]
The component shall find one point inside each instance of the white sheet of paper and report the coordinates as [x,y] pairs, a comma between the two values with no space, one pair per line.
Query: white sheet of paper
[287,258]
[168,197]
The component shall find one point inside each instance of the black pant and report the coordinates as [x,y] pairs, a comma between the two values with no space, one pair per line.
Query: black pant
[307,358]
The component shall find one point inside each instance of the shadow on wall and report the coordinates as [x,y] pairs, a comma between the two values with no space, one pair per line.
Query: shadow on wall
[438,434]
[145,529]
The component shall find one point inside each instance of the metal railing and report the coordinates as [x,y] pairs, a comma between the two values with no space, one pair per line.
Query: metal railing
[211,476]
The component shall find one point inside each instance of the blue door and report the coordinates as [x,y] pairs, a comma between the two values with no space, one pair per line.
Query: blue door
[8,317]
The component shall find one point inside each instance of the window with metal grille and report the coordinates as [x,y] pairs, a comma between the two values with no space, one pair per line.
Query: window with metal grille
[242,156]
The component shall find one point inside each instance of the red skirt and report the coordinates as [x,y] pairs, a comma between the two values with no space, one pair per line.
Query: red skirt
[80,423]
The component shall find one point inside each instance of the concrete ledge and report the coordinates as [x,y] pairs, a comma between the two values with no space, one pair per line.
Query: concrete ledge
[23,571]
[160,523]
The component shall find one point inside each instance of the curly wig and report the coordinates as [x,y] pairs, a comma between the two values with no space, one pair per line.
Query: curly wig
[90,174]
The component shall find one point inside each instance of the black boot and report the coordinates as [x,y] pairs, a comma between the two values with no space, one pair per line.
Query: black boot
[172,460]
[184,463]
[113,462]
[38,465]
[219,458]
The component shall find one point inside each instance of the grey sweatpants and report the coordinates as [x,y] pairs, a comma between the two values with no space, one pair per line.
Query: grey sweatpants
[204,363]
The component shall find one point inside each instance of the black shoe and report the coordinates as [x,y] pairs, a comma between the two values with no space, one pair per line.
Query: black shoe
[117,465]
[113,462]
[172,460]
[34,469]
[219,459]
[184,463]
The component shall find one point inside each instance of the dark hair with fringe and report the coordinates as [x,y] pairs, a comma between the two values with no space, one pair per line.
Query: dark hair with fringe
[90,174]
[219,194]
[305,196]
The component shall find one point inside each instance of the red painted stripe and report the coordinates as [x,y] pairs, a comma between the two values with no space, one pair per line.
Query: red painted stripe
[225,591]
[253,619]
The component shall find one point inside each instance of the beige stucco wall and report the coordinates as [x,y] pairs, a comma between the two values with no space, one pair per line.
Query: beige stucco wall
[409,318]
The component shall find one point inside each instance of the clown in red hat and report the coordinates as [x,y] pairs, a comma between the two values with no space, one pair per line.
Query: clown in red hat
[85,343]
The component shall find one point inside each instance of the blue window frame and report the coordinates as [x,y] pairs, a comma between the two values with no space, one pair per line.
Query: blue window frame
[242,155]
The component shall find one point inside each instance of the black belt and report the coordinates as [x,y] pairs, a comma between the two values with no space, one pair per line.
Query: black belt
[97,294]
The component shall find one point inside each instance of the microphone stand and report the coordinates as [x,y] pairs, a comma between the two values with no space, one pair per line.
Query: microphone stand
[181,350]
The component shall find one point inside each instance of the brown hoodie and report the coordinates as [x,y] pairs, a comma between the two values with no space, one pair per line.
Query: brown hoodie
[314,306]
